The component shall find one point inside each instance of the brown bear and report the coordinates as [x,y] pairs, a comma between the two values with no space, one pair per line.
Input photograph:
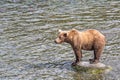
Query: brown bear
[86,40]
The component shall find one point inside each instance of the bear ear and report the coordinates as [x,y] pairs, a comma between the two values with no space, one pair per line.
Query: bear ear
[59,30]
[74,29]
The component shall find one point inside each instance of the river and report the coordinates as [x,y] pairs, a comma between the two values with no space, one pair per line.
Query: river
[28,29]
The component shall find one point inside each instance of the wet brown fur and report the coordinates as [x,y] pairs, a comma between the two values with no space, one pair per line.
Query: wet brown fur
[87,40]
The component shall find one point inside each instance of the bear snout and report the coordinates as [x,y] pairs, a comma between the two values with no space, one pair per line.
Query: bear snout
[55,41]
[58,41]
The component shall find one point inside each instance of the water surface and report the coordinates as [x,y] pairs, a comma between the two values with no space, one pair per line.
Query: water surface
[28,29]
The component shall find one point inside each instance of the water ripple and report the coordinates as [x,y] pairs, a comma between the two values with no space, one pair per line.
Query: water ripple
[28,29]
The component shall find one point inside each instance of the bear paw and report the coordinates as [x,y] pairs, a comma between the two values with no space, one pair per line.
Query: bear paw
[74,63]
[92,61]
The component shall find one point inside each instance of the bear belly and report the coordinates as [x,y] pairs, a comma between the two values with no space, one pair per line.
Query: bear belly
[87,47]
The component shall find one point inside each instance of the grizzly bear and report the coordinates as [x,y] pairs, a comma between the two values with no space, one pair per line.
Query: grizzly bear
[90,39]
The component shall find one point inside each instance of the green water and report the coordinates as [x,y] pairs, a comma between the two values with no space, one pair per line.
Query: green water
[28,29]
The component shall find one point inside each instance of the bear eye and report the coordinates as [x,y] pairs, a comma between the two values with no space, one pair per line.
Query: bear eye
[59,37]
[65,35]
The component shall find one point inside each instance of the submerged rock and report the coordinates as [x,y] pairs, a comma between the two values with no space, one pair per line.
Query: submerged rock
[92,68]
[87,64]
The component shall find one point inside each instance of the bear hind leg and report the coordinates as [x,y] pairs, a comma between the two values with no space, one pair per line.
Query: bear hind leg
[97,54]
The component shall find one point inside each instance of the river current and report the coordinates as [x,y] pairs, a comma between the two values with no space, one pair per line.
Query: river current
[28,29]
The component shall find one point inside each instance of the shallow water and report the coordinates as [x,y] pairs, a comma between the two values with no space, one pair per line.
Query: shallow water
[28,29]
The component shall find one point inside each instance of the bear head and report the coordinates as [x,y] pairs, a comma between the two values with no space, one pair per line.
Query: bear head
[65,36]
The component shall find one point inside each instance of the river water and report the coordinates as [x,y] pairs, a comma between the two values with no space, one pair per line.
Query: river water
[28,29]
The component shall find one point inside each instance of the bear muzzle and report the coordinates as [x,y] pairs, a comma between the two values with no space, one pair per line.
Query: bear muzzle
[55,41]
[58,41]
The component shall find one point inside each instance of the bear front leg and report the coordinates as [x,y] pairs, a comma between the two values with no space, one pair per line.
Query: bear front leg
[78,56]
